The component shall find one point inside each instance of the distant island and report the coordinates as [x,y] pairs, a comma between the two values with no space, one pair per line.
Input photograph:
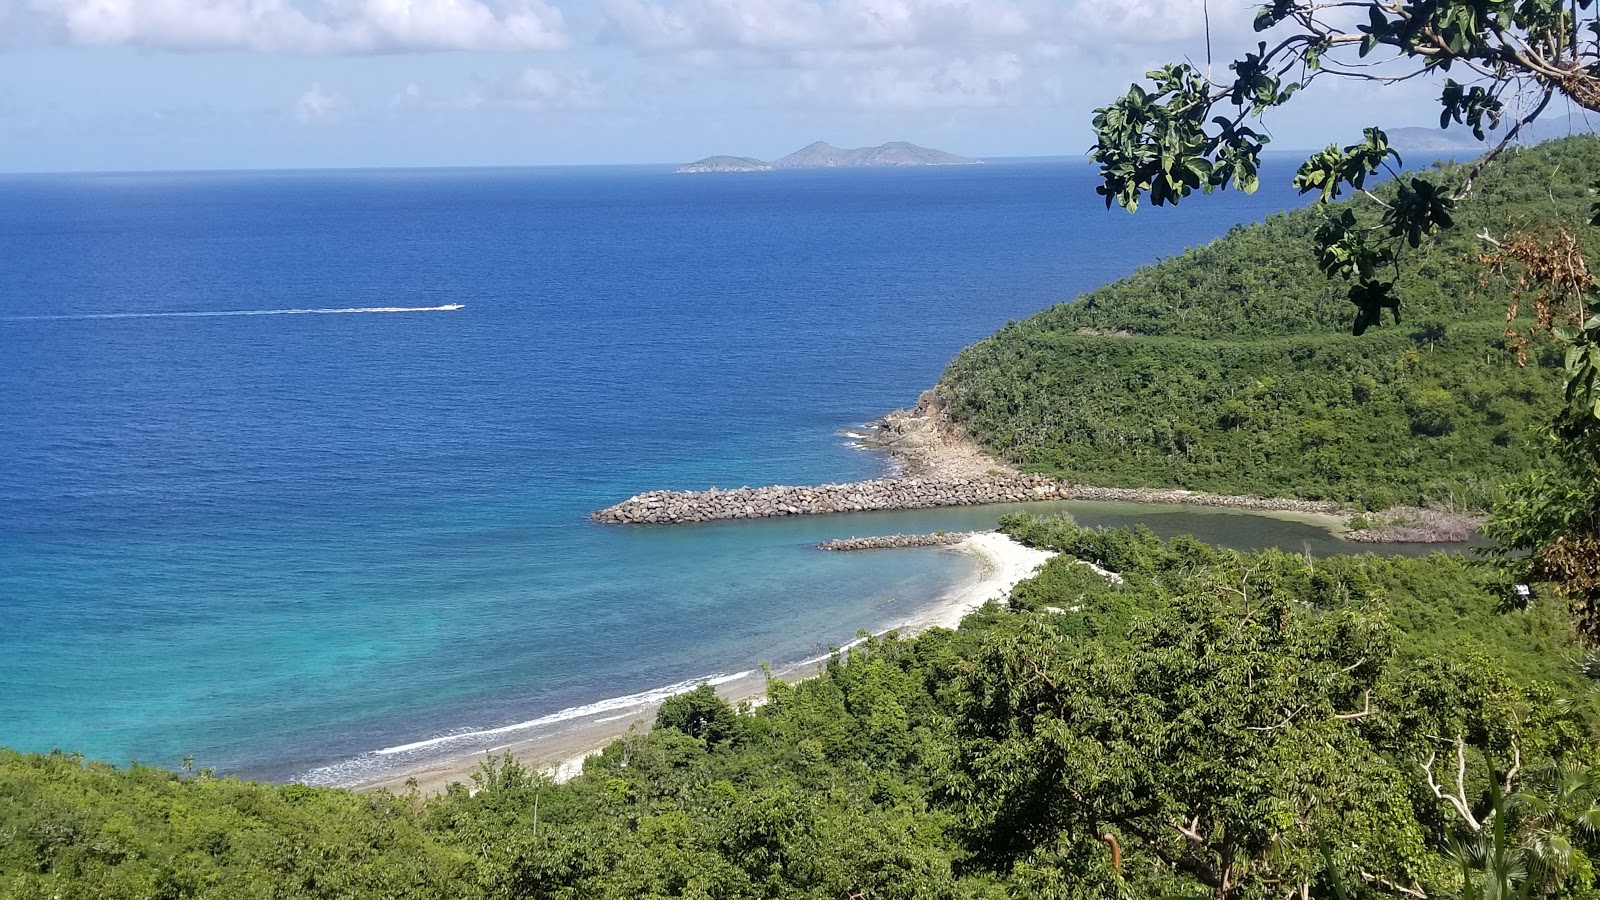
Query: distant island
[822,155]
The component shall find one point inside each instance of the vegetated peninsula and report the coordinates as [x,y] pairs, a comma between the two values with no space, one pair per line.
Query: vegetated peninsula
[1231,368]
[1228,376]
[822,155]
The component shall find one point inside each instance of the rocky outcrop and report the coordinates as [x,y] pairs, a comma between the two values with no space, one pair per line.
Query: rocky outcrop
[679,507]
[896,541]
[926,442]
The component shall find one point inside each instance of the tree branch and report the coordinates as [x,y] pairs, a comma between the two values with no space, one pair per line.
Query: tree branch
[1458,800]
[1511,135]
[1382,882]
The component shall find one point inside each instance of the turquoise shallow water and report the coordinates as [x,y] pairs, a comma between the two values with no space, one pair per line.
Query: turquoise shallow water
[274,541]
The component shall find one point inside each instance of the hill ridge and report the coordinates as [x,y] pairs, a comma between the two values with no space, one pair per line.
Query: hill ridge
[1232,369]
[823,155]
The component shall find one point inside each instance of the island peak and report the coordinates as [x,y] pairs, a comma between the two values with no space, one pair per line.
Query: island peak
[823,155]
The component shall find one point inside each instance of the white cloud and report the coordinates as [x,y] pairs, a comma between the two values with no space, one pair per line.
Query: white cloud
[979,82]
[321,26]
[529,88]
[413,97]
[1144,22]
[536,88]
[793,25]
[410,95]
[959,84]
[797,27]
[314,105]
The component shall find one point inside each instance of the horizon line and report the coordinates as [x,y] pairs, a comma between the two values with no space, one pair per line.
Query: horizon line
[249,170]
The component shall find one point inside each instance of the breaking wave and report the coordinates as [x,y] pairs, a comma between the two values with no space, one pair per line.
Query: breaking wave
[221,313]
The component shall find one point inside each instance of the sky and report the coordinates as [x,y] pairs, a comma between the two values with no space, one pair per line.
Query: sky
[120,85]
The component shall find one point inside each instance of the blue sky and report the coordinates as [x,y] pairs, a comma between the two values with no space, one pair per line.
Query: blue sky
[90,85]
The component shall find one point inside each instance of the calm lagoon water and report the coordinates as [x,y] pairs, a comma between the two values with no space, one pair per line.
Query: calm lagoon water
[274,541]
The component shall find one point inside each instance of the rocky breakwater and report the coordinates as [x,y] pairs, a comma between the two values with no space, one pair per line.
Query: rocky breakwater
[681,507]
[676,507]
[896,541]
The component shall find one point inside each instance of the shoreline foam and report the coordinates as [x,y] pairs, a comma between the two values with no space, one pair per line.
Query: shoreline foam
[558,743]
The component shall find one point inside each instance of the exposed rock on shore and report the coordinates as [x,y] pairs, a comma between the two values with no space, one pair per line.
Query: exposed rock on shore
[896,541]
[927,442]
[1413,525]
[942,466]
[678,507]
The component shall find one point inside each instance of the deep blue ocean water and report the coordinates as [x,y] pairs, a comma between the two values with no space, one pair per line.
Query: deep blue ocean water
[274,541]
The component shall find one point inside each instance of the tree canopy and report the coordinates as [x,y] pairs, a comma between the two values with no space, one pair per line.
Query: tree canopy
[1499,63]
[1212,725]
[1225,369]
[1188,131]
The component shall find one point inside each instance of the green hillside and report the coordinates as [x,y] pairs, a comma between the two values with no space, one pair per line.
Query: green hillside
[1209,687]
[1231,368]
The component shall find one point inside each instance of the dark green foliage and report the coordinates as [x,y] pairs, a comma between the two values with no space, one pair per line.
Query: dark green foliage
[1267,703]
[1180,130]
[1222,718]
[1227,368]
[700,713]
[71,829]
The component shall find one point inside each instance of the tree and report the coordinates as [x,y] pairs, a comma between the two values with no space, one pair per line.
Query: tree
[1188,131]
[699,713]
[1223,743]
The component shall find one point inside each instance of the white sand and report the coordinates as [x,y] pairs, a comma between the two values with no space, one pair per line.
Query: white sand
[560,749]
[1002,562]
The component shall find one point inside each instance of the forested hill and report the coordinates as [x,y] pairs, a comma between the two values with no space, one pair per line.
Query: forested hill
[1231,368]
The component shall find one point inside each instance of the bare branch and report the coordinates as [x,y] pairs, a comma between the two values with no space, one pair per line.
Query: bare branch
[1458,800]
[1353,666]
[1516,766]
[1375,198]
[1511,135]
[1382,882]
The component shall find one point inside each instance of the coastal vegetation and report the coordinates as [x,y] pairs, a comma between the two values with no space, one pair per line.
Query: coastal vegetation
[1142,718]
[1230,368]
[1219,723]
[1183,131]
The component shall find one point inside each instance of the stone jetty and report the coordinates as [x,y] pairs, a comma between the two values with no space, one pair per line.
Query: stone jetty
[896,541]
[682,507]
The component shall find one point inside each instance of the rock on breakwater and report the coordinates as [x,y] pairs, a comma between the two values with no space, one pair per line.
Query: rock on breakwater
[682,507]
[896,541]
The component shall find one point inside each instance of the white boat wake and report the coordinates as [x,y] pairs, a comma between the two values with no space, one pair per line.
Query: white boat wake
[206,314]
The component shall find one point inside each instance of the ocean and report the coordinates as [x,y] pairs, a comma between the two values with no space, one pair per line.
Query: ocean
[294,466]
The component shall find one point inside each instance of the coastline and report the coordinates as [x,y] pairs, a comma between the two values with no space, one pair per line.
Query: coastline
[935,463]
[926,451]
[558,744]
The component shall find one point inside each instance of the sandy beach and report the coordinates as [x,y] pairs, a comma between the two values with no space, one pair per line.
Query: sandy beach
[558,744]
